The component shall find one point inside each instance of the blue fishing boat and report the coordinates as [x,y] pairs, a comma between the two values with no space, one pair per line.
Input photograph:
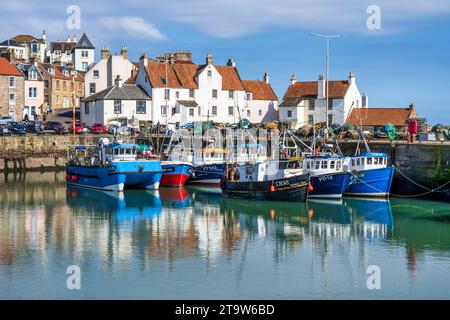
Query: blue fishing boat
[208,167]
[111,166]
[370,175]
[329,178]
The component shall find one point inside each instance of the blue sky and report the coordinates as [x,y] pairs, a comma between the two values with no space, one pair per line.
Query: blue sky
[407,60]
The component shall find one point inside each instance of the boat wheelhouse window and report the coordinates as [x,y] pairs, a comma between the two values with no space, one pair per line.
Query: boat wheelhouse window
[369,160]
[324,164]
[380,160]
[353,162]
[128,151]
[317,164]
[332,164]
[362,161]
[116,151]
[358,161]
[308,165]
[338,165]
[375,160]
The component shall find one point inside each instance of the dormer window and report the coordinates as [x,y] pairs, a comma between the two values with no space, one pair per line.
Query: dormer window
[248,96]
[32,75]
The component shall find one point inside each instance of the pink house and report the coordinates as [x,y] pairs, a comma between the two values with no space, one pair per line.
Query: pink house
[34,90]
[261,102]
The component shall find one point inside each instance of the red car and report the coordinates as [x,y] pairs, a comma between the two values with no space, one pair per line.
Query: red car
[98,128]
[79,128]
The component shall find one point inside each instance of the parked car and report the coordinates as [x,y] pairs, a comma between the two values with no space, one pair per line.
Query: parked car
[79,128]
[4,130]
[119,130]
[54,127]
[16,128]
[98,128]
[34,127]
[6,120]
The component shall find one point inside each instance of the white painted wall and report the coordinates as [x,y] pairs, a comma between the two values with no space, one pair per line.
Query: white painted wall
[78,59]
[267,108]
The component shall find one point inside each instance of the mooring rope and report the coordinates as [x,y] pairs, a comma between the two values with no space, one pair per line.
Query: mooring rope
[400,195]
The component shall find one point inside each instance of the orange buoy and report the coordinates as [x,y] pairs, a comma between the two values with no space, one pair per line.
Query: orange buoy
[310,213]
[74,178]
[68,177]
[272,214]
[272,188]
[310,188]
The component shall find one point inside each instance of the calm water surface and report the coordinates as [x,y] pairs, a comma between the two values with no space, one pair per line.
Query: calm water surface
[193,244]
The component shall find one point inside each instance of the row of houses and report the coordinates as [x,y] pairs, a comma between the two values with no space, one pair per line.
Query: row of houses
[172,89]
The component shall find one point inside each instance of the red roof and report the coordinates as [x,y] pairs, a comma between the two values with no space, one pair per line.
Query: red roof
[186,74]
[260,90]
[157,73]
[8,69]
[338,89]
[381,116]
[230,78]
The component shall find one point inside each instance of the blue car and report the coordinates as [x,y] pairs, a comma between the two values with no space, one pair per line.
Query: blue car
[16,128]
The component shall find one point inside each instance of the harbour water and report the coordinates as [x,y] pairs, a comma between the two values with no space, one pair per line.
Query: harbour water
[194,244]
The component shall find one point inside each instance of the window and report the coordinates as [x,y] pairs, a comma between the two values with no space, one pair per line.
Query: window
[230,111]
[177,94]
[308,165]
[260,113]
[32,75]
[324,164]
[230,94]
[330,119]
[167,94]
[330,104]
[32,92]
[311,119]
[164,110]
[311,104]
[214,93]
[289,114]
[358,161]
[248,113]
[86,108]
[46,98]
[199,111]
[141,107]
[12,82]
[96,73]
[338,165]
[191,93]
[84,66]
[34,47]
[84,53]
[46,84]
[12,98]
[369,160]
[64,86]
[248,96]
[209,73]
[117,106]
[353,162]
[362,161]
[214,111]
[191,112]
[317,166]
[91,88]
[375,160]
[57,84]
[57,99]
[332,164]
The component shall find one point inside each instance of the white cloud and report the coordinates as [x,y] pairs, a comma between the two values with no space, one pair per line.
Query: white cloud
[133,26]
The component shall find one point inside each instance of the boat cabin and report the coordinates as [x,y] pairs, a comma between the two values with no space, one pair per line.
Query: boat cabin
[325,164]
[121,152]
[367,161]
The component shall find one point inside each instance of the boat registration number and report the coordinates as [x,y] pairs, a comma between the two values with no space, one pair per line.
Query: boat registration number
[282,183]
[326,178]
[112,168]
[169,169]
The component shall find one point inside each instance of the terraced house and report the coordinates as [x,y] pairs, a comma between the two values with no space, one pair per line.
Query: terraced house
[63,87]
[11,90]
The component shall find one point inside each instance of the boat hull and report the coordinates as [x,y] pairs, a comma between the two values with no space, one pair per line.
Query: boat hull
[207,175]
[329,186]
[371,183]
[293,189]
[116,176]
[175,175]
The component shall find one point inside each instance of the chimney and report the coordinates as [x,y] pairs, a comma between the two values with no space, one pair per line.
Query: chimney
[44,36]
[266,77]
[365,101]
[321,87]
[105,54]
[351,78]
[124,53]
[119,81]
[144,59]
[231,63]
[293,79]
[209,58]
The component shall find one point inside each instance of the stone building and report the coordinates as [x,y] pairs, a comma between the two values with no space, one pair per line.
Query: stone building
[11,90]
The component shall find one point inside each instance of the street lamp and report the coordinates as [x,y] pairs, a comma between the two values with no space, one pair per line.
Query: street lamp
[327,37]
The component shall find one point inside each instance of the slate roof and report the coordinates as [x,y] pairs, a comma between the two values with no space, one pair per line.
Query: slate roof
[188,103]
[126,92]
[62,46]
[12,43]
[84,43]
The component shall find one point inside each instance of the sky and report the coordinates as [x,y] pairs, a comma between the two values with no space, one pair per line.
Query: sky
[398,49]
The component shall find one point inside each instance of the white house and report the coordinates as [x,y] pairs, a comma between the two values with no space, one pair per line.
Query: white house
[61,51]
[126,103]
[83,54]
[184,92]
[102,74]
[15,50]
[305,102]
[261,102]
[35,49]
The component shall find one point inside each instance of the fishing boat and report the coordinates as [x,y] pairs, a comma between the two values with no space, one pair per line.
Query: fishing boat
[208,166]
[258,182]
[112,167]
[370,175]
[175,173]
[328,176]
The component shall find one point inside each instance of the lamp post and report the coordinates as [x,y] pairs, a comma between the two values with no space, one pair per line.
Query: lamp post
[327,37]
